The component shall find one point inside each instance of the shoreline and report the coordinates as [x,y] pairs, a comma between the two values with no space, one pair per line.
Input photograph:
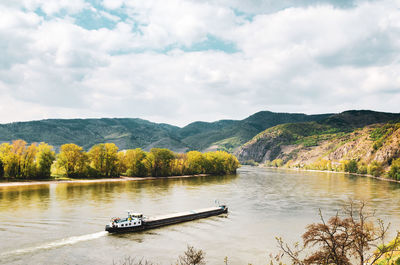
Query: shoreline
[48,182]
[330,171]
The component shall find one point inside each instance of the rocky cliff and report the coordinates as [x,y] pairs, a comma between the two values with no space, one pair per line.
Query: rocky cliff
[356,135]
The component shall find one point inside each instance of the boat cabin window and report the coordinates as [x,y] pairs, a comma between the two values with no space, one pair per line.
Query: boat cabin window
[137,215]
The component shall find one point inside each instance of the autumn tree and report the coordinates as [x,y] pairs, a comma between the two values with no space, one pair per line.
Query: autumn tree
[73,160]
[9,159]
[18,159]
[27,162]
[196,162]
[133,162]
[178,165]
[355,236]
[220,162]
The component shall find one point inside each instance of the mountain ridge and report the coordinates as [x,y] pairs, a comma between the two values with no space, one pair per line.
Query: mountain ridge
[129,133]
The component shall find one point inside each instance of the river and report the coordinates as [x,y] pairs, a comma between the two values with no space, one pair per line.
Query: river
[64,223]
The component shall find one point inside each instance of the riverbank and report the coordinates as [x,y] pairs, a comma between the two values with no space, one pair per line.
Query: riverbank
[330,171]
[48,182]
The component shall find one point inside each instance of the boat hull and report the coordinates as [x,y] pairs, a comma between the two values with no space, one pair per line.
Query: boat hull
[111,229]
[169,220]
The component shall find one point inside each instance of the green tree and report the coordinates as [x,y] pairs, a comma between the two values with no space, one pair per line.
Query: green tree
[161,161]
[362,168]
[1,169]
[104,159]
[375,169]
[45,157]
[134,160]
[351,166]
[27,164]
[394,172]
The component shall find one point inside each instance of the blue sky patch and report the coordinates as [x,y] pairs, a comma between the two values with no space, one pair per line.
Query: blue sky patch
[212,43]
[93,20]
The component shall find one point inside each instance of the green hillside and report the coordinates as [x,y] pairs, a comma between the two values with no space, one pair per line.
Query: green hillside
[229,135]
[126,133]
[133,133]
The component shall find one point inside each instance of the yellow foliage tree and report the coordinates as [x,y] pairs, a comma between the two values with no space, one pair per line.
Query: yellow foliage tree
[73,160]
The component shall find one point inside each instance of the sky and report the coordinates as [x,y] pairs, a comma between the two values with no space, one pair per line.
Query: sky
[179,61]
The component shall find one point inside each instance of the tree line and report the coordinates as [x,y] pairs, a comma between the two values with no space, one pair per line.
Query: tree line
[373,168]
[22,161]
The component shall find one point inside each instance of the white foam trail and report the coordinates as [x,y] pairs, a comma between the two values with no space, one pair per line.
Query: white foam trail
[55,244]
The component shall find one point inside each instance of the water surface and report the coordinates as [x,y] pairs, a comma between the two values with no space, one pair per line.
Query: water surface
[63,223]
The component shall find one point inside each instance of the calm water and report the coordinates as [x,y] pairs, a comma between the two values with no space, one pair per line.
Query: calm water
[64,223]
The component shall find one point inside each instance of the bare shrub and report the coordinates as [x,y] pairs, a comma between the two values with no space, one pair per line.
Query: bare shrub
[356,236]
[192,256]
[133,261]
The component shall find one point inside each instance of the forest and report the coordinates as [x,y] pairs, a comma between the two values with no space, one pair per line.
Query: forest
[19,160]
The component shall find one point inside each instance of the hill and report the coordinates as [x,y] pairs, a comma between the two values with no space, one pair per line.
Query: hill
[126,133]
[364,136]
[137,133]
[228,135]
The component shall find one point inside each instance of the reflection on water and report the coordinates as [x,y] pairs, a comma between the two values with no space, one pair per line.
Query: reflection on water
[64,222]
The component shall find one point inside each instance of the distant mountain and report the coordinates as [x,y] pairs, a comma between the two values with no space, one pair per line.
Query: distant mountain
[360,135]
[133,133]
[229,134]
[126,133]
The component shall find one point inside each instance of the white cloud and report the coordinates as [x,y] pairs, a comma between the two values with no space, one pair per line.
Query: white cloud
[49,7]
[311,58]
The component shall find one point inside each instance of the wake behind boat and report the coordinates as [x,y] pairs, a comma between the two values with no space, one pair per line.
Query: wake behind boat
[137,222]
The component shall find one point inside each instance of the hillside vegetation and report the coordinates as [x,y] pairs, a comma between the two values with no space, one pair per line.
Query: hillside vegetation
[353,141]
[129,133]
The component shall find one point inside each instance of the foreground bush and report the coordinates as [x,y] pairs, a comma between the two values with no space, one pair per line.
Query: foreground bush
[354,236]
[191,256]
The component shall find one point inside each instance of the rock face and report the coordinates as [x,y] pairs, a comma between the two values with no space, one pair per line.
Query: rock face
[261,148]
[307,143]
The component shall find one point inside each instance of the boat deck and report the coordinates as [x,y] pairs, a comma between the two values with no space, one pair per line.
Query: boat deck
[181,214]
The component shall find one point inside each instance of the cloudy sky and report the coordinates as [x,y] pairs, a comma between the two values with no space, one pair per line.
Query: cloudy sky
[178,61]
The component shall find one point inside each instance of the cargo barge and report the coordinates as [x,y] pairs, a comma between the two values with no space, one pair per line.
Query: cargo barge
[137,222]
